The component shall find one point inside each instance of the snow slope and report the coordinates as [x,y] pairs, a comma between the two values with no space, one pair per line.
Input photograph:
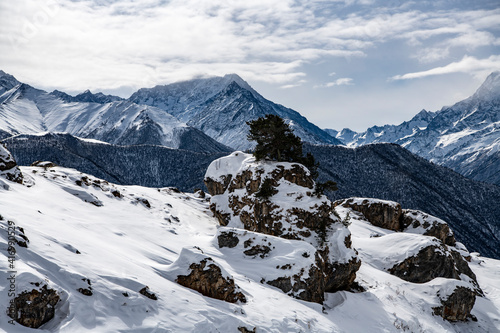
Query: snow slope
[123,246]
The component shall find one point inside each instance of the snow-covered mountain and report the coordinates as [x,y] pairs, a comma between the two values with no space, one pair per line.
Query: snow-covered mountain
[102,257]
[464,137]
[24,109]
[221,106]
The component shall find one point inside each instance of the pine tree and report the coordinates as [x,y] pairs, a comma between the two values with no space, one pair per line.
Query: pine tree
[276,142]
[275,139]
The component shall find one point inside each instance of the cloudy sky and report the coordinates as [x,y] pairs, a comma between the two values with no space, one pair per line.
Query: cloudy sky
[341,63]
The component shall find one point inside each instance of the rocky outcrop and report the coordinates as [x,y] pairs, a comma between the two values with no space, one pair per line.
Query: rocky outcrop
[199,272]
[291,211]
[34,308]
[389,215]
[457,306]
[8,167]
[380,213]
[430,263]
[293,266]
[416,221]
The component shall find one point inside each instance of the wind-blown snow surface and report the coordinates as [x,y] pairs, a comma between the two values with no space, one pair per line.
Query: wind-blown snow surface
[124,246]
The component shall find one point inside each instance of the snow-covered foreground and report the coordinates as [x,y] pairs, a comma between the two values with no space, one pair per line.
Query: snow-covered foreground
[108,235]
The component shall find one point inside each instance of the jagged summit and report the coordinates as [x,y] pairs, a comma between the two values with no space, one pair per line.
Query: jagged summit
[490,89]
[88,97]
[221,106]
[7,81]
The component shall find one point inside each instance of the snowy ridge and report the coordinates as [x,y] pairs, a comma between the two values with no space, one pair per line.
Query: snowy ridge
[125,244]
[96,116]
[221,106]
[464,137]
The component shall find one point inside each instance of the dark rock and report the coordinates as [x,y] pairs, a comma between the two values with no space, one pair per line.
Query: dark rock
[85,291]
[145,202]
[43,164]
[206,277]
[8,167]
[227,239]
[310,289]
[342,276]
[383,214]
[457,306]
[145,291]
[433,226]
[34,308]
[258,250]
[432,262]
[116,194]
[243,329]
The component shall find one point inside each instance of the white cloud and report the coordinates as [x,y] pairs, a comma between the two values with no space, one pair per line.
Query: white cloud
[468,64]
[112,44]
[343,81]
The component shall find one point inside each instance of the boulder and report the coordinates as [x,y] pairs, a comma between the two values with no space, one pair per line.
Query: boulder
[146,292]
[199,272]
[8,167]
[34,308]
[457,306]
[432,262]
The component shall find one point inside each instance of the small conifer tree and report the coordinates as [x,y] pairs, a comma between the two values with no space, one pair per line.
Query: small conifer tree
[276,142]
[275,139]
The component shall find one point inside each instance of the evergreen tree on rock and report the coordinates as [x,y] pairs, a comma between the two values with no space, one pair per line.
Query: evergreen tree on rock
[275,140]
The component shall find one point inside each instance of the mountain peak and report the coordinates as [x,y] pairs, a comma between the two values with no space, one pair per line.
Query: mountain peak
[7,81]
[490,89]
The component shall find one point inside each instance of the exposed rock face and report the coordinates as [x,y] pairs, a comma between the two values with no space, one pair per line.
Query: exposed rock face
[428,225]
[210,282]
[389,215]
[8,167]
[297,268]
[199,272]
[432,262]
[293,213]
[457,306]
[380,213]
[34,308]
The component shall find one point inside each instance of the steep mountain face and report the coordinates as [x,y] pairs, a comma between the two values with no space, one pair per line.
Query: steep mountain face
[24,109]
[389,172]
[464,137]
[221,106]
[93,256]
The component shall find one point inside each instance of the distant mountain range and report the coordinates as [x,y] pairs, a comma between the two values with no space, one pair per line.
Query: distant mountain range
[206,115]
[464,137]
